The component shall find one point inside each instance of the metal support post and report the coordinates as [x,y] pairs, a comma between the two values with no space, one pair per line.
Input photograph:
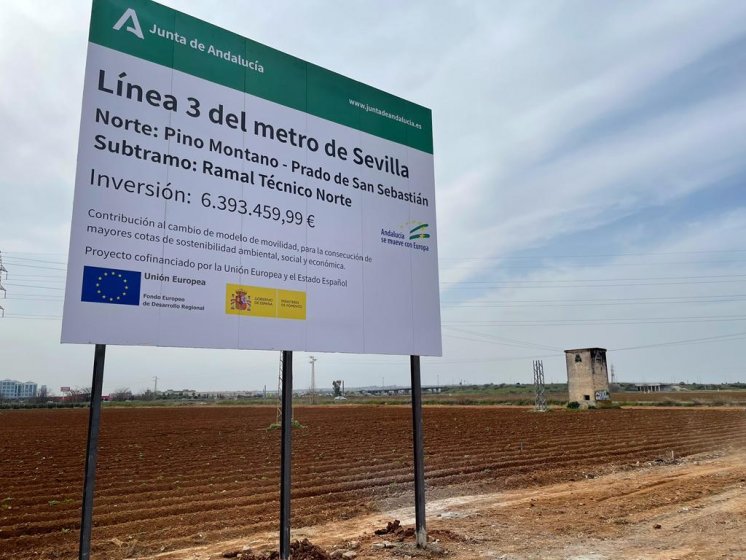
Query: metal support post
[285,453]
[94,422]
[419,453]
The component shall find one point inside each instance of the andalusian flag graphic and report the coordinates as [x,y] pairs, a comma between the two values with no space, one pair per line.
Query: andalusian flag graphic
[419,232]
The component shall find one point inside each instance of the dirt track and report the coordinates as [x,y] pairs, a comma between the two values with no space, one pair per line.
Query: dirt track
[173,479]
[687,509]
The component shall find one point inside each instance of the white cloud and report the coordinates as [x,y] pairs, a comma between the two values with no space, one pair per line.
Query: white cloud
[525,152]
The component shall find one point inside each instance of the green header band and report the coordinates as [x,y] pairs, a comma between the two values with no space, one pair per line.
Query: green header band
[153,32]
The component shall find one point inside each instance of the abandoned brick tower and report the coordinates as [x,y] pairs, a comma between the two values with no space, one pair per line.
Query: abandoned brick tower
[587,377]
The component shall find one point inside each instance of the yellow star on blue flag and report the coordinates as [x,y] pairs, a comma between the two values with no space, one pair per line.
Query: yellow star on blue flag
[110,285]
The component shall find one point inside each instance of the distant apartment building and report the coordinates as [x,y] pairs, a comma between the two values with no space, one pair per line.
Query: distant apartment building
[12,389]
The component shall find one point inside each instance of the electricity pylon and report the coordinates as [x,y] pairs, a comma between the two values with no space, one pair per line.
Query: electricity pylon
[540,403]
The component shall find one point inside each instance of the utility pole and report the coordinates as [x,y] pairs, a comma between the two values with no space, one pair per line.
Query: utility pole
[2,268]
[155,385]
[312,361]
[5,294]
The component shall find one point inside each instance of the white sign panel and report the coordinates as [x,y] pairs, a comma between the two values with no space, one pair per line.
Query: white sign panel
[231,196]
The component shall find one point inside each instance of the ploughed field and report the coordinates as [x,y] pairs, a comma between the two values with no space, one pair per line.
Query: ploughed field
[170,478]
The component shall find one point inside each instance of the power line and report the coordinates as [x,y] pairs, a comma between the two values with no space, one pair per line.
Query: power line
[491,360]
[518,285]
[52,296]
[41,282]
[601,279]
[34,286]
[44,317]
[613,299]
[41,267]
[25,259]
[612,321]
[511,266]
[40,298]
[685,341]
[27,276]
[602,255]
[460,305]
[483,341]
[507,341]
[438,361]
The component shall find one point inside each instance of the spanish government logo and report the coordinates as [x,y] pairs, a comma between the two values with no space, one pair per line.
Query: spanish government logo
[240,301]
[109,285]
[259,301]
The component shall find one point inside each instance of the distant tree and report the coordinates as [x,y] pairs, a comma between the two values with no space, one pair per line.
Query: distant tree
[121,394]
[148,395]
[80,394]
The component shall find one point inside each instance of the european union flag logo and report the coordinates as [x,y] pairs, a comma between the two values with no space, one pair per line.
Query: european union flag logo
[109,285]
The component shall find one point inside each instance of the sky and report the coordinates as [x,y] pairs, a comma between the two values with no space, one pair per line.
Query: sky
[590,159]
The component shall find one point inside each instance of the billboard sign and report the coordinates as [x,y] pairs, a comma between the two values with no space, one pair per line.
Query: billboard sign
[229,195]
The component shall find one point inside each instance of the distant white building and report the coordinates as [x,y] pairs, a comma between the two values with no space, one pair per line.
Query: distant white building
[185,393]
[12,389]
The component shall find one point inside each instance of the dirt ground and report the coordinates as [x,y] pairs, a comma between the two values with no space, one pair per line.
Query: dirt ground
[204,480]
[663,510]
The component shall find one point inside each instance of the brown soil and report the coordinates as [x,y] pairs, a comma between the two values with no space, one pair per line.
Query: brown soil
[299,550]
[717,398]
[687,509]
[200,482]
